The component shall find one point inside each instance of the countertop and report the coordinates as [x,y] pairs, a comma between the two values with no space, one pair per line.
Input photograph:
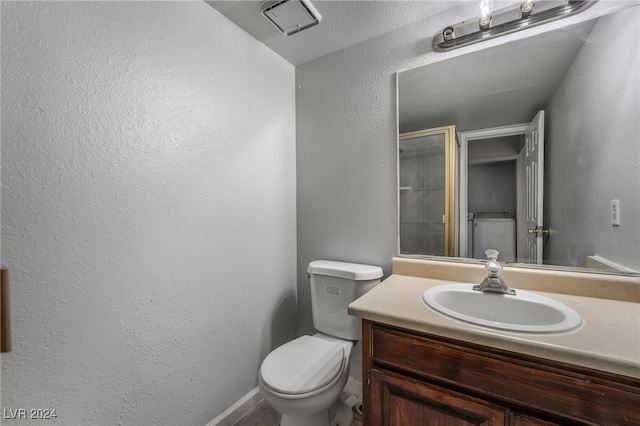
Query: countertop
[608,340]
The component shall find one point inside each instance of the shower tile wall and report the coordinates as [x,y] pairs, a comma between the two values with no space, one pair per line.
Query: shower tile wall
[422,206]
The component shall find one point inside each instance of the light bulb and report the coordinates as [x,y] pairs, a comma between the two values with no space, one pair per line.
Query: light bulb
[526,7]
[485,9]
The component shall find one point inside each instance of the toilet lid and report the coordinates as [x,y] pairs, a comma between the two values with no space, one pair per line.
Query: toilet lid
[302,365]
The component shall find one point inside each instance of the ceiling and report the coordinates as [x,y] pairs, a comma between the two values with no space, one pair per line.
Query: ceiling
[343,23]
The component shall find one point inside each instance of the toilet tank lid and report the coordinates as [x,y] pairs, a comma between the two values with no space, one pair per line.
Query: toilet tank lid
[352,271]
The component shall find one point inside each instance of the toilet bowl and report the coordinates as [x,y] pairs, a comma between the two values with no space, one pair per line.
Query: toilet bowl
[303,379]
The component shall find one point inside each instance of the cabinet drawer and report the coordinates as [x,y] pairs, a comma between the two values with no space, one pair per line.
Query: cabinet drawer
[517,381]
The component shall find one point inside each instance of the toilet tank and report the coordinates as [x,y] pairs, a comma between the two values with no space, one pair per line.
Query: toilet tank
[334,285]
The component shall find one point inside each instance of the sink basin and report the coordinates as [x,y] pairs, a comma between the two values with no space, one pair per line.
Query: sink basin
[524,311]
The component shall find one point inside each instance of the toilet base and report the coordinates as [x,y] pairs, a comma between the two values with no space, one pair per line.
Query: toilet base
[338,414]
[344,414]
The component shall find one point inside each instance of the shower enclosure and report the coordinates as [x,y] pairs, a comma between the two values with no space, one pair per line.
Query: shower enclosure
[427,161]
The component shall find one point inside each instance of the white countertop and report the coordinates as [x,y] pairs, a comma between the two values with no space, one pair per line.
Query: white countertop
[608,340]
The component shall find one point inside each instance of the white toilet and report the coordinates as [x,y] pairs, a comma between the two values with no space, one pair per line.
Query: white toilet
[303,379]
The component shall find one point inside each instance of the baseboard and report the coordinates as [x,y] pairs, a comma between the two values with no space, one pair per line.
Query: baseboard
[239,409]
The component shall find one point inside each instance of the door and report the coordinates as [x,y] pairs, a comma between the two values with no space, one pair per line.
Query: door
[534,159]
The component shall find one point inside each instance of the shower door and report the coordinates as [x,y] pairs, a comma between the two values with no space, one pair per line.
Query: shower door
[426,161]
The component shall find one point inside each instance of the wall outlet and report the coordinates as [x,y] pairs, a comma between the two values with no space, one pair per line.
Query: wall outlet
[615,212]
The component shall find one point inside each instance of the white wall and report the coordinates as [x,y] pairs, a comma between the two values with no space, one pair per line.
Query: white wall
[346,137]
[599,157]
[492,187]
[148,172]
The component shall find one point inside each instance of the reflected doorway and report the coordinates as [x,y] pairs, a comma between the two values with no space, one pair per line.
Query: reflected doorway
[501,192]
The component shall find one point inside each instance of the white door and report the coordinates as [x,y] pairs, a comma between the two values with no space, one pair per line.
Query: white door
[534,145]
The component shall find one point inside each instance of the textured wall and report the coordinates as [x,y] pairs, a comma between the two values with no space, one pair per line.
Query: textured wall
[601,161]
[346,137]
[148,171]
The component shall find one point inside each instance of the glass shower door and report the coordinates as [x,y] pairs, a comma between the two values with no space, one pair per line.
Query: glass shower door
[426,191]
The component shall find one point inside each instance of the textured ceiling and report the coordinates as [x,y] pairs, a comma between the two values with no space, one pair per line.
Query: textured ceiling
[343,24]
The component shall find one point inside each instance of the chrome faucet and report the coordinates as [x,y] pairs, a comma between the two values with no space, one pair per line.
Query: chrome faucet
[493,283]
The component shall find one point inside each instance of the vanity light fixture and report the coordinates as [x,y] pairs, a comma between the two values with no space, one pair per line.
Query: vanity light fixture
[528,13]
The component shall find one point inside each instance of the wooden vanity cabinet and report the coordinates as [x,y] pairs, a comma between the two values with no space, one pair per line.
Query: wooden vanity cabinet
[415,379]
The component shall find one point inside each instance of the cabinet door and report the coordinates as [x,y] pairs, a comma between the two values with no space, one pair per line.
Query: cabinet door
[522,420]
[402,401]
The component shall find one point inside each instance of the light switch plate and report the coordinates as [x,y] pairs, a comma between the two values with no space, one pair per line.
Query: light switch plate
[615,212]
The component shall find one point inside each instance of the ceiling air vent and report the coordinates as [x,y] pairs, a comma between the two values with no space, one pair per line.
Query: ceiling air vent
[290,16]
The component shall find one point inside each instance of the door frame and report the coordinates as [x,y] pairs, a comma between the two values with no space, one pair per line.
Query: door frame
[464,138]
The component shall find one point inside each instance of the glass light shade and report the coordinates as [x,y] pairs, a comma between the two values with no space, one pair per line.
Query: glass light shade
[485,10]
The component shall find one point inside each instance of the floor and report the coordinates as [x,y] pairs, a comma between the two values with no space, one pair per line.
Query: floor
[263,415]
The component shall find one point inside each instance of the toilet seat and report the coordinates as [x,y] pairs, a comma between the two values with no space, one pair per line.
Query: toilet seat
[303,366]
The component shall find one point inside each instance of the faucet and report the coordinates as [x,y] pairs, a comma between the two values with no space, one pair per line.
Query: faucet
[493,283]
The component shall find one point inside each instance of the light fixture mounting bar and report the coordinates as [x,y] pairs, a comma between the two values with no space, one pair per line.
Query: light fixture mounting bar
[507,20]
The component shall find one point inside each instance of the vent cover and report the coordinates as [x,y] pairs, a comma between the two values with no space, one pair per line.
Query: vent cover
[290,16]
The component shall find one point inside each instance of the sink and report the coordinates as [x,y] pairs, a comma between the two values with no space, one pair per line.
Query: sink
[524,311]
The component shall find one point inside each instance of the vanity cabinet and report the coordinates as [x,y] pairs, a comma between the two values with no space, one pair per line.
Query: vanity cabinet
[414,379]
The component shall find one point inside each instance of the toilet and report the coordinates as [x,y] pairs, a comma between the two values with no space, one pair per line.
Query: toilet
[303,379]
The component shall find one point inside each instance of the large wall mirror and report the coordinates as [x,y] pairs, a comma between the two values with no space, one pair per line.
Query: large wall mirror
[546,158]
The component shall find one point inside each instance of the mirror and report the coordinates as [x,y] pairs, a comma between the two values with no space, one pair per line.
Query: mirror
[583,80]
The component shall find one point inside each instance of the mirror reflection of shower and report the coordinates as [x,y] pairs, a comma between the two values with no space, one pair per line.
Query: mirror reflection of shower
[426,192]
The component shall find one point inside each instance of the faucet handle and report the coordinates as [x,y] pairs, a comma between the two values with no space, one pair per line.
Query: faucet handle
[492,254]
[493,283]
[493,266]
